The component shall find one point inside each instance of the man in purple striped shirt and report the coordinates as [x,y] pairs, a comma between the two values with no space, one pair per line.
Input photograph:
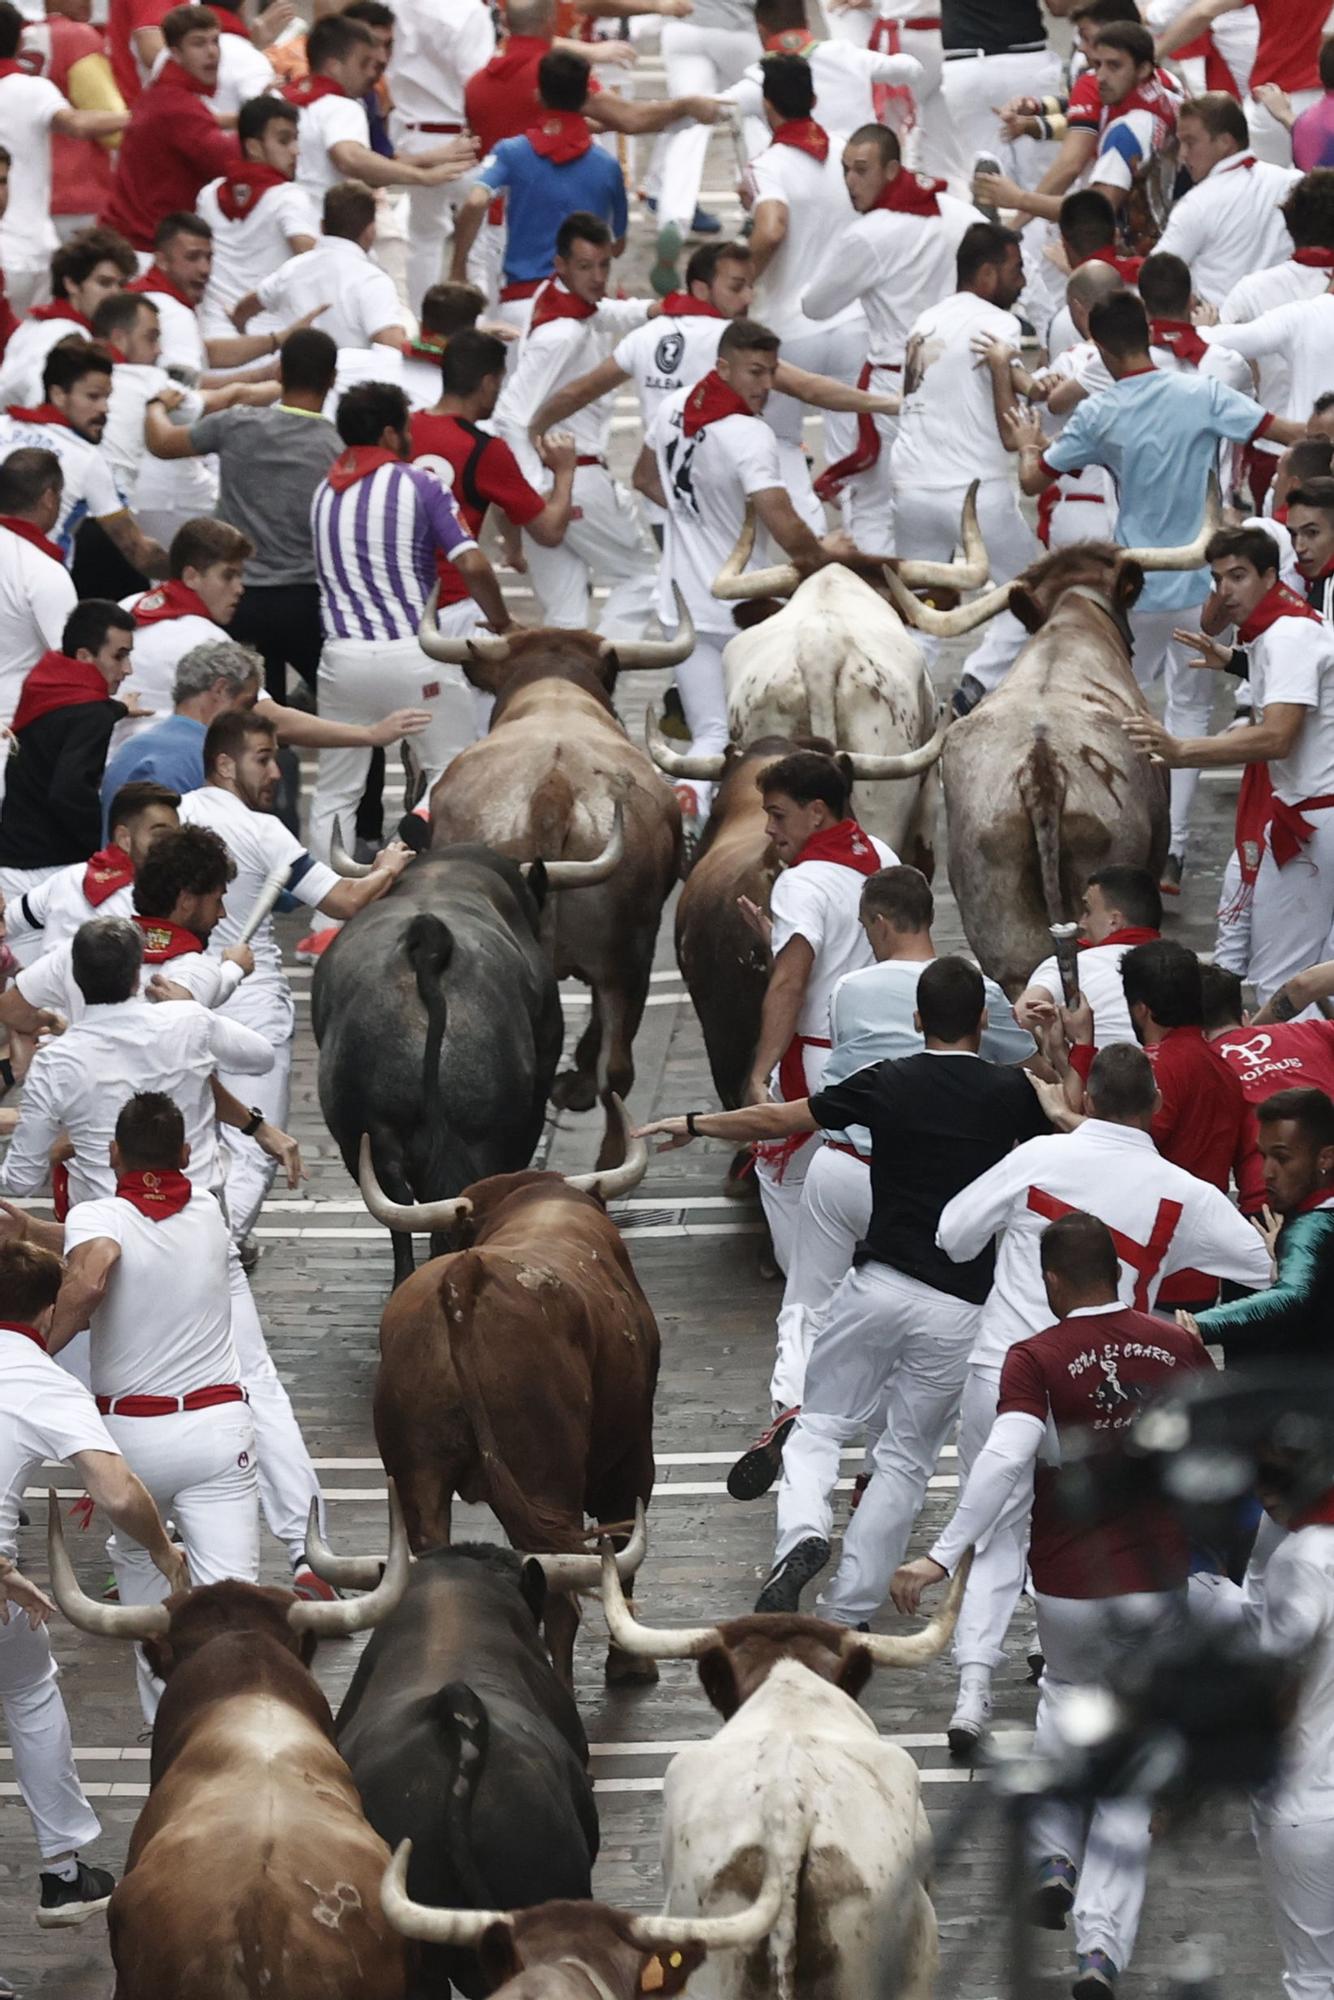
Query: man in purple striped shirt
[377,524]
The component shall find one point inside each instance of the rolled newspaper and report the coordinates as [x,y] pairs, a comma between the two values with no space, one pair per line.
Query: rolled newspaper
[1065,941]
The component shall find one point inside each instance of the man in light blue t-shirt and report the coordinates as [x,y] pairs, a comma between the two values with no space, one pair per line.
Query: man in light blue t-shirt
[1158,435]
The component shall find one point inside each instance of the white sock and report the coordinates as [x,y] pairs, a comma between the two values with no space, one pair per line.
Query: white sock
[68,1871]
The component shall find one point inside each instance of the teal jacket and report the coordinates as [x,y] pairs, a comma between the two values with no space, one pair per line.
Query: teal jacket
[1296,1314]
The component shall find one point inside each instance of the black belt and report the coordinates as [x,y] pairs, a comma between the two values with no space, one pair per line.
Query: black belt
[1014,49]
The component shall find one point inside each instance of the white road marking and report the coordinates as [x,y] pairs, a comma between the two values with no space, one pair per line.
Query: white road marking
[678,1489]
[661,1458]
[602,1787]
[139,1753]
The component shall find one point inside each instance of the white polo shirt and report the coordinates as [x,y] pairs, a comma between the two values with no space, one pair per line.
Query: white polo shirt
[49,980]
[247,251]
[707,480]
[818,212]
[845,75]
[58,906]
[438,45]
[90,490]
[361,299]
[1100,984]
[44,1414]
[164,1325]
[1229,224]
[28,104]
[896,266]
[36,597]
[158,651]
[1283,284]
[1299,334]
[149,482]
[947,426]
[327,122]
[555,354]
[1293,661]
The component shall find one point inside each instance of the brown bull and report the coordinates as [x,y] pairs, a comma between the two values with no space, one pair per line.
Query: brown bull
[252,1872]
[519,1372]
[544,784]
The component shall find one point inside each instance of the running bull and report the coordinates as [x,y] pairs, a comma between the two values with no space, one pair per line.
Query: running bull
[798,1763]
[546,782]
[1042,784]
[252,1872]
[519,1370]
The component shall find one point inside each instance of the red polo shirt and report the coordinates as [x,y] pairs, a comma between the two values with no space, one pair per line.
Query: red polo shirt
[172,148]
[1202,1126]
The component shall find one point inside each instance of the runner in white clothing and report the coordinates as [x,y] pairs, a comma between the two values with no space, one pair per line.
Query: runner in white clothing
[258,215]
[1121,907]
[1230,223]
[91,267]
[37,592]
[102,886]
[848,78]
[31,109]
[336,280]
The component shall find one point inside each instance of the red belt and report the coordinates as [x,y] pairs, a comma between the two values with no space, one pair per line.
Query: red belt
[171,1406]
[413,126]
[522,288]
[925,23]
[864,454]
[591,460]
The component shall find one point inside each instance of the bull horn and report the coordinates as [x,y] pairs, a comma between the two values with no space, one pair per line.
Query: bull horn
[566,1572]
[910,764]
[922,1646]
[678,763]
[110,1621]
[425,1921]
[583,874]
[737,1932]
[656,652]
[419,1216]
[344,1572]
[947,624]
[1191,554]
[359,1614]
[341,861]
[613,1181]
[649,1642]
[780,581]
[439,645]
[968,571]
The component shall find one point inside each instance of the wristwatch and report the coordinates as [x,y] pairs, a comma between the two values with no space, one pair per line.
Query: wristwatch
[691,1126]
[253,1122]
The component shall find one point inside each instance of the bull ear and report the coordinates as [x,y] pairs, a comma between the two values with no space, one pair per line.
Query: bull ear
[1026,608]
[159,1656]
[489,676]
[533,1584]
[498,1956]
[754,611]
[854,1671]
[666,1972]
[717,1677]
[607,668]
[1128,583]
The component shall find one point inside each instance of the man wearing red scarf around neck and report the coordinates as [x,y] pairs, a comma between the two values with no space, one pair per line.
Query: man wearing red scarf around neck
[36,590]
[1285,811]
[85,270]
[258,215]
[174,144]
[1122,907]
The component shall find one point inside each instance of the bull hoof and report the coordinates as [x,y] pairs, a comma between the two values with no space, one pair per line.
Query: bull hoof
[628,1670]
[573,1091]
[740,1184]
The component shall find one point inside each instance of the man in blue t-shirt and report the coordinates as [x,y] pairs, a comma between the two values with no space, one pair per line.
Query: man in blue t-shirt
[1158,435]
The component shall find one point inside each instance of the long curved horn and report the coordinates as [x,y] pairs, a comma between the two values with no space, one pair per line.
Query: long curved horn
[947,624]
[648,1642]
[656,652]
[910,764]
[263,906]
[341,861]
[968,571]
[419,1216]
[587,1572]
[110,1621]
[344,1572]
[359,1614]
[1191,554]
[780,581]
[926,1644]
[678,763]
[737,1932]
[426,1921]
[457,652]
[613,1181]
[583,874]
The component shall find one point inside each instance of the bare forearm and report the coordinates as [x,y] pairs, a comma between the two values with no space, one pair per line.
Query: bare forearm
[778,1022]
[480,578]
[234,350]
[550,525]
[467,222]
[822,392]
[756,1121]
[75,1306]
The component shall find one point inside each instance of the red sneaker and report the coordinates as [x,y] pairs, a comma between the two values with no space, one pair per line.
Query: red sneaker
[314,946]
[306,1584]
[756,1470]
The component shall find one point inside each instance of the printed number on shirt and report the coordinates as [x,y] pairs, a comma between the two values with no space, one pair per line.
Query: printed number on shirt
[431,462]
[680,455]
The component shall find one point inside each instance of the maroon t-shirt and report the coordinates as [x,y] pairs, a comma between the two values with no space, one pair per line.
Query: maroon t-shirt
[1090,1375]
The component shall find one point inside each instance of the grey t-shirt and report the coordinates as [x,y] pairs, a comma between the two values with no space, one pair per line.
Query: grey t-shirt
[270,461]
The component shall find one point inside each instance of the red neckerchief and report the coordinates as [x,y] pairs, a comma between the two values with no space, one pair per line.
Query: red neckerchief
[358,462]
[560,136]
[682,305]
[244,187]
[1246,160]
[155,279]
[40,413]
[709,402]
[12,67]
[108,870]
[157,1192]
[172,599]
[173,76]
[556,301]
[1277,602]
[1255,807]
[789,42]
[14,1325]
[1318,1198]
[910,194]
[1314,259]
[1132,934]
[165,940]
[1179,337]
[310,89]
[804,136]
[844,844]
[62,309]
[423,348]
[26,532]
[1320,1513]
[1126,268]
[57,681]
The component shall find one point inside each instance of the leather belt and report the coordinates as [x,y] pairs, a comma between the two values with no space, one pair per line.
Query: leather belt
[1015,49]
[172,1406]
[592,459]
[924,23]
[522,288]
[413,126]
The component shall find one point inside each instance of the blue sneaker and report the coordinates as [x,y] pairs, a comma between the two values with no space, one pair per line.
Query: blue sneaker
[1053,1894]
[705,223]
[1097,1976]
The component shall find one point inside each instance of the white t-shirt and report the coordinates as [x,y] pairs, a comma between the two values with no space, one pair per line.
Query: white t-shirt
[25,358]
[1230,223]
[947,427]
[327,122]
[44,1414]
[1292,1612]
[436,49]
[1285,284]
[818,213]
[90,490]
[707,480]
[418,378]
[1301,335]
[27,106]
[49,980]
[58,906]
[146,481]
[36,597]
[361,299]
[544,361]
[820,901]
[164,1325]
[1100,984]
[158,650]
[844,75]
[1294,662]
[252,249]
[243,72]
[897,266]
[668,354]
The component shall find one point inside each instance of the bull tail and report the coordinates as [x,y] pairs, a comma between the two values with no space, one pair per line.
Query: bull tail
[464,1730]
[429,945]
[788,1835]
[550,811]
[1042,790]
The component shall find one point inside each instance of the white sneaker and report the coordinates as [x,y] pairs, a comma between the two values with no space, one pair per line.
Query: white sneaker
[969,1723]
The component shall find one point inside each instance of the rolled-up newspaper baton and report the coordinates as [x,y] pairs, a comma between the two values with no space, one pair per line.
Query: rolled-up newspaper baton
[1065,940]
[265,902]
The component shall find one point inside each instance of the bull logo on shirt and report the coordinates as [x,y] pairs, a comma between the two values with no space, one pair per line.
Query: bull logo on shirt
[920,354]
[1258,1045]
[667,356]
[1109,1394]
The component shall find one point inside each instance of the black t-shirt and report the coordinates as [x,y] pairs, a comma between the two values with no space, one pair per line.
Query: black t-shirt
[991,25]
[936,1123]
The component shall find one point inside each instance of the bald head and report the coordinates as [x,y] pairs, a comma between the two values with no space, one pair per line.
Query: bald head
[1088,287]
[531,17]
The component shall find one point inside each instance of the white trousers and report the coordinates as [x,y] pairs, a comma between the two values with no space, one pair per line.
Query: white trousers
[609,543]
[927,523]
[39,1737]
[1079,521]
[199,1467]
[974,86]
[834,1215]
[1232,936]
[1293,909]
[431,227]
[250,1171]
[1082,1638]
[699,62]
[1189,705]
[888,1337]
[362,681]
[997,1576]
[287,1479]
[26,945]
[870,496]
[1297,1870]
